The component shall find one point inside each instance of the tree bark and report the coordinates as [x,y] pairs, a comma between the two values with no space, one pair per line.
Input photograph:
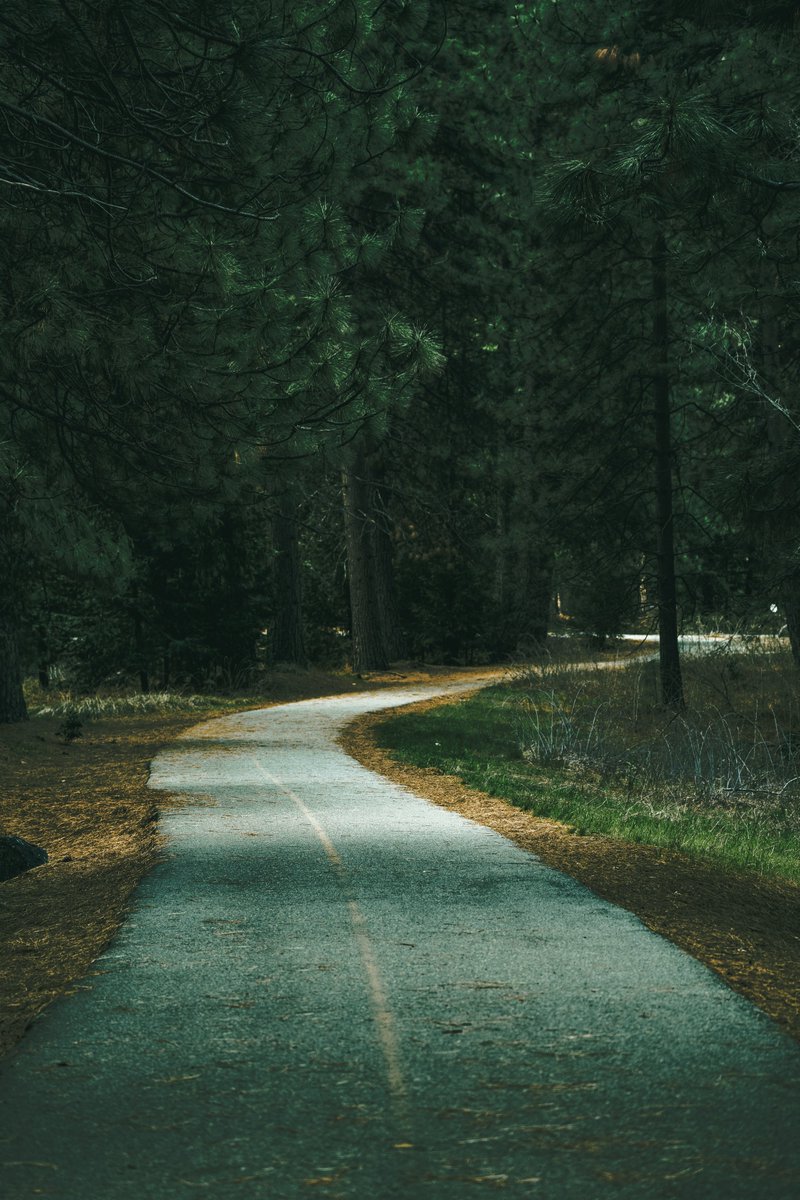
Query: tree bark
[523,575]
[791,609]
[504,632]
[537,560]
[535,600]
[12,699]
[523,609]
[286,636]
[385,595]
[668,649]
[367,623]
[780,510]
[43,655]
[141,661]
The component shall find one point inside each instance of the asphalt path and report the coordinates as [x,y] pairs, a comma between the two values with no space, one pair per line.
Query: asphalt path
[331,987]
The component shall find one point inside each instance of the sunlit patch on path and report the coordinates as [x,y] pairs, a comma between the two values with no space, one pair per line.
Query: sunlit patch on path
[384,1018]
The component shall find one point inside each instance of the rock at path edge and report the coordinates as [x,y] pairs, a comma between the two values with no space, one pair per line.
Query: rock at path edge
[18,856]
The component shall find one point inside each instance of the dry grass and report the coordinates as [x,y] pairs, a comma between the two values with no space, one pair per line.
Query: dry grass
[739,735]
[720,779]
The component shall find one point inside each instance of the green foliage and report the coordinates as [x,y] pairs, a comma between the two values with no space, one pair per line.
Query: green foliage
[70,728]
[370,230]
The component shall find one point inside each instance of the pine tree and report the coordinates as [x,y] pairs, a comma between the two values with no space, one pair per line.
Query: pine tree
[171,282]
[664,166]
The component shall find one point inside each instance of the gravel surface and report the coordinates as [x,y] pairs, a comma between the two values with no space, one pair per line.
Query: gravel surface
[333,987]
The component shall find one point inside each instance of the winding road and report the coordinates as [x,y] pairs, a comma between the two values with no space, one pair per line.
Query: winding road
[331,987]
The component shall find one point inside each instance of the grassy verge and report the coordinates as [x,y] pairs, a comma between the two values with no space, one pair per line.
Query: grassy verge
[595,751]
[743,926]
[700,847]
[87,803]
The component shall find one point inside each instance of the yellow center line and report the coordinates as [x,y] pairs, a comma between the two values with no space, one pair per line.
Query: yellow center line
[381,1012]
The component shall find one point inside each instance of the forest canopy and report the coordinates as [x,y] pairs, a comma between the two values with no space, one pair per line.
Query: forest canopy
[346,333]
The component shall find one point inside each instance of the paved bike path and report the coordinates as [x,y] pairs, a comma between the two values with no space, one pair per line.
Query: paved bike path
[331,987]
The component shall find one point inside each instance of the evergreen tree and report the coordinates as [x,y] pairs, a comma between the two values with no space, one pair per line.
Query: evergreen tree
[171,281]
[661,160]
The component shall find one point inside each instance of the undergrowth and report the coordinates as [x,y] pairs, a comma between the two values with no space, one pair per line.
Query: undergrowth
[122,705]
[596,750]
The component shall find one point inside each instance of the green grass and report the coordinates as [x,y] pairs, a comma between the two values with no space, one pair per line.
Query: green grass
[486,741]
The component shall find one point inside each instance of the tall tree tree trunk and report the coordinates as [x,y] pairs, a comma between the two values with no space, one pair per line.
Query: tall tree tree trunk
[791,610]
[536,559]
[141,656]
[12,700]
[668,650]
[504,633]
[286,637]
[385,594]
[535,600]
[523,575]
[368,623]
[43,655]
[781,507]
[523,592]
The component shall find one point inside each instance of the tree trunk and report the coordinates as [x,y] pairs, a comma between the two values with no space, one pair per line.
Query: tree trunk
[43,656]
[523,608]
[504,633]
[537,560]
[385,596]
[12,700]
[791,608]
[523,579]
[668,650]
[535,601]
[286,639]
[780,509]
[141,662]
[367,622]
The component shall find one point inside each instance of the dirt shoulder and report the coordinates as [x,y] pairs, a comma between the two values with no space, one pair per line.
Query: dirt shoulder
[746,929]
[88,805]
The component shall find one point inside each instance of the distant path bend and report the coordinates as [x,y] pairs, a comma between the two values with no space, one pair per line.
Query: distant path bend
[331,987]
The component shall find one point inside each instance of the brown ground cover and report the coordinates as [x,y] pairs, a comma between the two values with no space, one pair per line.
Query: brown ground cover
[745,928]
[88,804]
